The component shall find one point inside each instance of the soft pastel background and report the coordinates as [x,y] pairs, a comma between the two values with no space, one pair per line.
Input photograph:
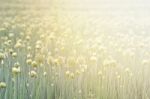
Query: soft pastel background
[74,49]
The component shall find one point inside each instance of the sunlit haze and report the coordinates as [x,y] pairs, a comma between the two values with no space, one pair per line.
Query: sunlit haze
[74,49]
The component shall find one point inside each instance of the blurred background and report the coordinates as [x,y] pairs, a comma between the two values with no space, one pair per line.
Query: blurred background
[111,36]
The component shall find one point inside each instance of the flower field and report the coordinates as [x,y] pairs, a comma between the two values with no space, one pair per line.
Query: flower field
[50,52]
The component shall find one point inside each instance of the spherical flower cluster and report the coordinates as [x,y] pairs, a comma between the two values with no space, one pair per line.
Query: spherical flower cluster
[67,73]
[18,45]
[17,64]
[93,59]
[33,74]
[2,85]
[45,73]
[70,74]
[29,61]
[16,70]
[145,62]
[14,54]
[34,64]
[28,37]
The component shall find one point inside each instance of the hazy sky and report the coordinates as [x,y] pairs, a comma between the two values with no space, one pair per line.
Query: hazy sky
[138,6]
[120,3]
